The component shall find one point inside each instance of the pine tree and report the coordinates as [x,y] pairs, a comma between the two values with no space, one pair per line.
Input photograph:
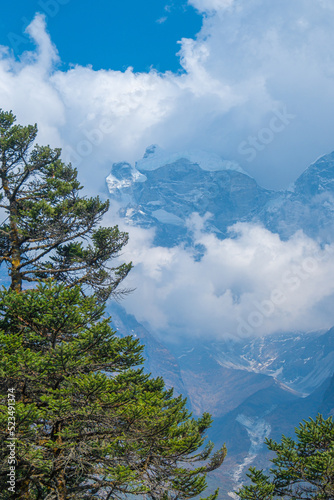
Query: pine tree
[303,469]
[50,231]
[89,422]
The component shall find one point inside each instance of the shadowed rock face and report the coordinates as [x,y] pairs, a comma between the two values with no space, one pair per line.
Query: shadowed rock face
[171,193]
[159,360]
[308,206]
[165,197]
[317,179]
[248,387]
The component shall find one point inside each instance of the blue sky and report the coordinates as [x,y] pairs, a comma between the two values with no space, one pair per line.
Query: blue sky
[106,34]
[253,80]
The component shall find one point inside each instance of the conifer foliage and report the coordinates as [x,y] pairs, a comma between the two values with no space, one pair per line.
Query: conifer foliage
[89,422]
[50,231]
[302,469]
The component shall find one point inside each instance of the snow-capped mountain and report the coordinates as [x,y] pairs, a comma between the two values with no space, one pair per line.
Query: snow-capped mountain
[162,191]
[165,196]
[257,386]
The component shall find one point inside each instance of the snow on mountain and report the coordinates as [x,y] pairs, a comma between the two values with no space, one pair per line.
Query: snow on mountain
[163,190]
[254,387]
[257,429]
[122,177]
[300,362]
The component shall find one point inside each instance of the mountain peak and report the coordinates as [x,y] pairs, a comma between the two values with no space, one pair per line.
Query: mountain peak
[156,157]
[318,178]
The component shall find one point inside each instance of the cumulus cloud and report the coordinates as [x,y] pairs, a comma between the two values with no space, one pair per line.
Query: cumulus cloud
[25,86]
[251,61]
[99,116]
[251,283]
[257,87]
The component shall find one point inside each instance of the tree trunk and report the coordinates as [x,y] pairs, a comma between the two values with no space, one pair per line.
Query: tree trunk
[15,254]
[15,274]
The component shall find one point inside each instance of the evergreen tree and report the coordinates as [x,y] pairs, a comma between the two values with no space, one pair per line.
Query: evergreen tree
[89,423]
[50,231]
[303,469]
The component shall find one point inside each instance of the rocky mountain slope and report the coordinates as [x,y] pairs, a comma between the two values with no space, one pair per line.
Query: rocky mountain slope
[163,194]
[166,196]
[254,387]
[308,205]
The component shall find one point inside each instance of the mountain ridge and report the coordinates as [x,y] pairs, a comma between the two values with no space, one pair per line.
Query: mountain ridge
[163,198]
[269,382]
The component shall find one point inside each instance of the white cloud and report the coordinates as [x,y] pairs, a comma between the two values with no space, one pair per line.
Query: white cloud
[211,5]
[47,53]
[252,283]
[161,20]
[249,59]
[25,86]
[247,62]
